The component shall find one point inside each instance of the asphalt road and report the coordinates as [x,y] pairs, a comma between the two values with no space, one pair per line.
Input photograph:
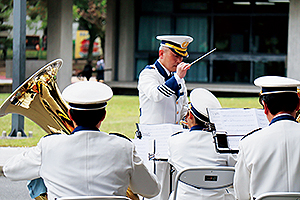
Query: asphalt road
[13,190]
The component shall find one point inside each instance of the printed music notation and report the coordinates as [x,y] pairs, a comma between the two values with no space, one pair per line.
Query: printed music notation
[154,140]
[237,121]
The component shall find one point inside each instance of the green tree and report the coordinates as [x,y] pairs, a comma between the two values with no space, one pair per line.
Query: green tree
[37,11]
[92,18]
[90,14]
[6,8]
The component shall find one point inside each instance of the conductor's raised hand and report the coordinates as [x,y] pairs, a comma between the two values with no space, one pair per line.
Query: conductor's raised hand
[182,69]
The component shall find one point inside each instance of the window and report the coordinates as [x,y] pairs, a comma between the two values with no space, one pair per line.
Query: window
[231,71]
[231,33]
[250,36]
[198,72]
[270,34]
[150,27]
[270,68]
[197,27]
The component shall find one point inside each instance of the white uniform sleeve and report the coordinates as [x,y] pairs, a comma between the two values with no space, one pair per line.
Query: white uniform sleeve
[241,177]
[150,86]
[178,79]
[24,166]
[143,182]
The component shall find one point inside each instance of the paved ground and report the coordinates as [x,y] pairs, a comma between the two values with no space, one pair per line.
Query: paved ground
[12,190]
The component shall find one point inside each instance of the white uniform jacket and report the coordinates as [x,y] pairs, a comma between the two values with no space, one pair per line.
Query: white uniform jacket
[195,147]
[162,99]
[269,160]
[84,163]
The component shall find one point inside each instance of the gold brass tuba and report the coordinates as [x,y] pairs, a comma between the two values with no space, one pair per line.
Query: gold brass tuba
[39,99]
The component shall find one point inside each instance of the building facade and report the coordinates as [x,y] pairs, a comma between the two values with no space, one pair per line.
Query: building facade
[251,37]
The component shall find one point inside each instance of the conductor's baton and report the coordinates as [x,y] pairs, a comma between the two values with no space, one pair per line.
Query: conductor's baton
[201,57]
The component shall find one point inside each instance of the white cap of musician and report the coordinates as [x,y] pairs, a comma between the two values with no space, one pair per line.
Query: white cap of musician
[177,43]
[87,95]
[276,84]
[201,99]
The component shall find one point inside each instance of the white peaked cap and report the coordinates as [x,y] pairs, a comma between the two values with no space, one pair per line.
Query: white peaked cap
[87,95]
[182,40]
[177,43]
[276,84]
[201,99]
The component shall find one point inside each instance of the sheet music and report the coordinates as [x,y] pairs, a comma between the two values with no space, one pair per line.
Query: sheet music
[160,133]
[237,122]
[142,148]
[261,118]
[233,142]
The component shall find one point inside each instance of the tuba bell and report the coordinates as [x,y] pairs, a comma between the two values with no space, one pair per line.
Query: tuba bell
[39,99]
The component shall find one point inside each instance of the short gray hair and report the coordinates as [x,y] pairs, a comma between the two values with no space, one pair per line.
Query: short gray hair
[163,47]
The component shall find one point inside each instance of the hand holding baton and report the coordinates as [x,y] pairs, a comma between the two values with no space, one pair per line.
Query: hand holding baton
[201,57]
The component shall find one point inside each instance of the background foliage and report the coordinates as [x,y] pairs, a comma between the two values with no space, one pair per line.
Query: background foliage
[6,7]
[91,15]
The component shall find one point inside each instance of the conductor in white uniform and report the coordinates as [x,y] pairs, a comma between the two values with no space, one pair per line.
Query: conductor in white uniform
[162,90]
[87,162]
[195,147]
[269,159]
[163,93]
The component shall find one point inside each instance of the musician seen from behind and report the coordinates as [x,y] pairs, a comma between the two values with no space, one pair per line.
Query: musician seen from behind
[268,159]
[87,162]
[195,147]
[163,93]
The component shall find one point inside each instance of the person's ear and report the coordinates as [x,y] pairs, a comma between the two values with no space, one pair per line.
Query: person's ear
[298,105]
[266,109]
[69,114]
[190,115]
[103,117]
[161,53]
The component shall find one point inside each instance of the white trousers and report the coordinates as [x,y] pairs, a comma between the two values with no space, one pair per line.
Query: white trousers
[162,171]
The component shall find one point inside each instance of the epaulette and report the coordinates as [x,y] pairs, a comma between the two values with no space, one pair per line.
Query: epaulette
[52,134]
[177,133]
[250,133]
[149,67]
[120,135]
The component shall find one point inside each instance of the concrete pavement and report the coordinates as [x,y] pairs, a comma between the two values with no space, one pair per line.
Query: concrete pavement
[12,190]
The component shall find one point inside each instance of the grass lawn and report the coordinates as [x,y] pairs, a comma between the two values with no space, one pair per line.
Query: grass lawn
[122,114]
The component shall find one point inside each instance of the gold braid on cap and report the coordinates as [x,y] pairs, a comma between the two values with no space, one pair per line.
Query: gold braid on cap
[178,50]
